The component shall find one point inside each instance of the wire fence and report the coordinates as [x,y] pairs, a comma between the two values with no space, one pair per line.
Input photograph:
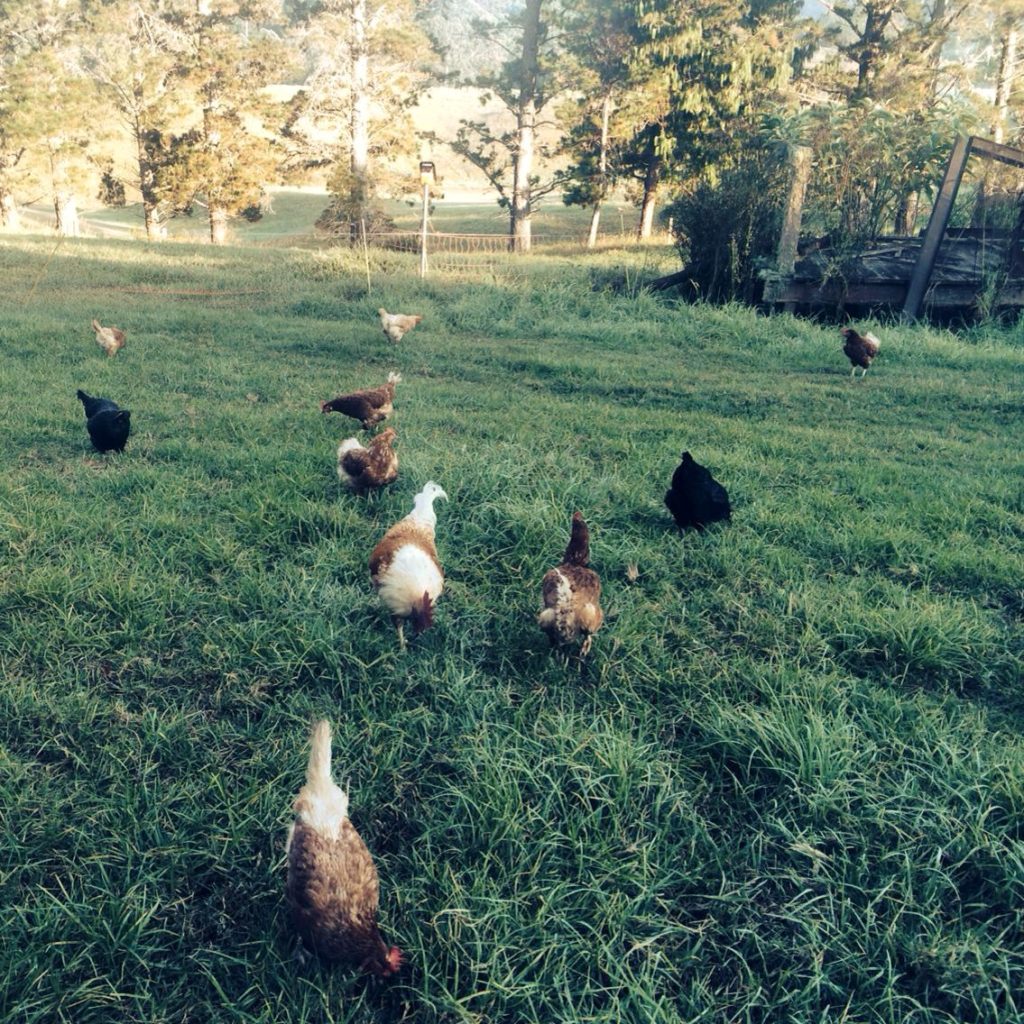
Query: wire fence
[474,254]
[447,253]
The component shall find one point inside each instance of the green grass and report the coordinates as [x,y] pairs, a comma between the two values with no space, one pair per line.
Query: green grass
[788,786]
[292,214]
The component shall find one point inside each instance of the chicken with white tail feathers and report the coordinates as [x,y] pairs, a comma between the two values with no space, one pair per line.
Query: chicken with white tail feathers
[363,469]
[396,325]
[332,889]
[404,566]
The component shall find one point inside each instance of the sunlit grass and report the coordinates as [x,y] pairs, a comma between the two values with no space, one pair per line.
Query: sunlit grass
[788,786]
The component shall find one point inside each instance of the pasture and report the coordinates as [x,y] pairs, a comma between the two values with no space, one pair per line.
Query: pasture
[787,786]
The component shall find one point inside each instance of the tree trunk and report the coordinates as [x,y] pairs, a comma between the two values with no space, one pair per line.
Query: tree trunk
[878,14]
[218,225]
[602,170]
[359,120]
[65,205]
[652,178]
[799,159]
[1004,81]
[906,214]
[147,182]
[595,221]
[10,218]
[526,119]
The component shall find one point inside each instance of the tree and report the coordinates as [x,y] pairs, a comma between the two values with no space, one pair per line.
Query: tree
[226,63]
[712,71]
[369,62]
[47,103]
[525,84]
[895,107]
[600,40]
[130,53]
[13,139]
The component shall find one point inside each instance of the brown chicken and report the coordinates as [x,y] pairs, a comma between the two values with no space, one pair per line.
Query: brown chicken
[110,339]
[572,593]
[370,406]
[395,325]
[860,349]
[362,469]
[332,887]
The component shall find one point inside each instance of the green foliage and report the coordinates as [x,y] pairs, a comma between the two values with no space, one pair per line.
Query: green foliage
[354,208]
[868,160]
[377,73]
[111,191]
[727,229]
[788,786]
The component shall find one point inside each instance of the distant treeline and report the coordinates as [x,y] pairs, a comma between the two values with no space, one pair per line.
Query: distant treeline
[691,108]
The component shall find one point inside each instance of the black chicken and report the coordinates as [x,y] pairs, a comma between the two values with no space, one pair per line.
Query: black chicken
[696,498]
[108,424]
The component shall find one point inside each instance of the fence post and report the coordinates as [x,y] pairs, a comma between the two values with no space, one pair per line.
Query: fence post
[423,229]
[799,160]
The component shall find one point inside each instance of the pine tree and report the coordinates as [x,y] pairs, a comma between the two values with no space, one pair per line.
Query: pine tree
[525,84]
[48,103]
[129,51]
[226,61]
[710,69]
[369,62]
[600,40]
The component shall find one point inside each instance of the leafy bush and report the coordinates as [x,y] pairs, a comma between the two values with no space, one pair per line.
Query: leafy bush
[727,229]
[111,191]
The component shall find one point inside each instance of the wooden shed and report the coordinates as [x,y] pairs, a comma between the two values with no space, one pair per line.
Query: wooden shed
[941,272]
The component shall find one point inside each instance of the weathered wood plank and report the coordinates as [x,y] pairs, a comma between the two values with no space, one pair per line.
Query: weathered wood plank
[936,229]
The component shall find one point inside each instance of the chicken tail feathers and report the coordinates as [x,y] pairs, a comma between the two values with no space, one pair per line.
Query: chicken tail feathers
[578,550]
[320,804]
[318,773]
[423,613]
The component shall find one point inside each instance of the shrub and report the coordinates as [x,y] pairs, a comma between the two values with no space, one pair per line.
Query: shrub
[727,229]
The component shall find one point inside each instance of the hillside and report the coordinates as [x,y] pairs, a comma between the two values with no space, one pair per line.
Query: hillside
[787,785]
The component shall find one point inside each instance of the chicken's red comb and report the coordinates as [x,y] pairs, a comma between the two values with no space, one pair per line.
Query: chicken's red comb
[394,958]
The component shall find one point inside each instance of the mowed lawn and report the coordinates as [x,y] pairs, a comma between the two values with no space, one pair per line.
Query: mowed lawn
[787,786]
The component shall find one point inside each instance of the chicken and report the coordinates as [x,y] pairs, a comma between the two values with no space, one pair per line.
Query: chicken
[110,339]
[362,469]
[860,349]
[395,325]
[404,566]
[696,498]
[370,406]
[572,593]
[108,424]
[332,889]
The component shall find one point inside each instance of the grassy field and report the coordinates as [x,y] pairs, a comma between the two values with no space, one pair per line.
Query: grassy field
[292,214]
[788,785]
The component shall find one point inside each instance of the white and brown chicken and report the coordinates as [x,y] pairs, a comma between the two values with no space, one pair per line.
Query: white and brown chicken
[332,889]
[365,468]
[571,593]
[397,325]
[110,339]
[404,566]
[860,349]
